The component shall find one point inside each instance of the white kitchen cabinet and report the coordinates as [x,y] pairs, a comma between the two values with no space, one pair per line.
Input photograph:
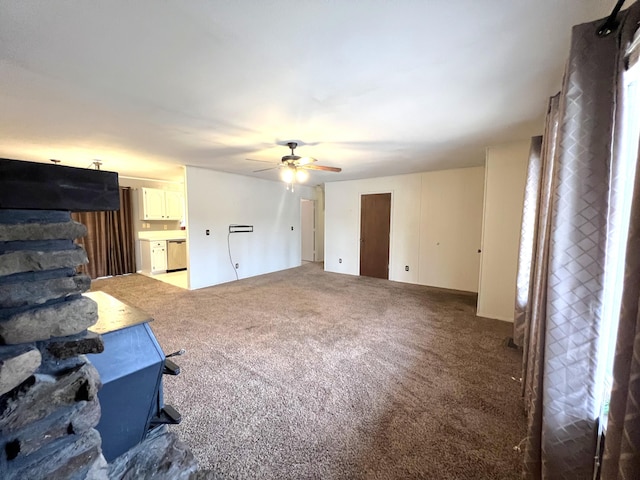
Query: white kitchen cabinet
[159,257]
[153,255]
[153,204]
[159,204]
[174,208]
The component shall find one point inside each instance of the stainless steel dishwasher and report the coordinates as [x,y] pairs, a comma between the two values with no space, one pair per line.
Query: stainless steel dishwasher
[176,255]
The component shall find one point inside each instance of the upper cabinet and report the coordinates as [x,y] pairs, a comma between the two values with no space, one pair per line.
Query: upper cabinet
[161,204]
[153,204]
[174,204]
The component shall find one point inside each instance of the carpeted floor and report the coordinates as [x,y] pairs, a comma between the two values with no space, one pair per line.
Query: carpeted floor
[306,374]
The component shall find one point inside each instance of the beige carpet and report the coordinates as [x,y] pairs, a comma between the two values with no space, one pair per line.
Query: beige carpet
[306,374]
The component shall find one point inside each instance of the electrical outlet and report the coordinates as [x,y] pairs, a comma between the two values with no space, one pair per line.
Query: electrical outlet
[406,268]
[292,228]
[237,266]
[206,232]
[339,260]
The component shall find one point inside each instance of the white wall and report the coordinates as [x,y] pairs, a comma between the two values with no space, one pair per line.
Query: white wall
[450,228]
[426,209]
[215,200]
[342,224]
[506,171]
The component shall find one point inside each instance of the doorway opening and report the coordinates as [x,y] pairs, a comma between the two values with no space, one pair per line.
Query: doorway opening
[308,230]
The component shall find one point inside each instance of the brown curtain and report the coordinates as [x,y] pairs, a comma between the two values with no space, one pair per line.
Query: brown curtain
[621,459]
[109,242]
[564,306]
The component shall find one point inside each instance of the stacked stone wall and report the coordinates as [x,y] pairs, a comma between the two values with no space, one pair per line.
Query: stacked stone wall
[48,388]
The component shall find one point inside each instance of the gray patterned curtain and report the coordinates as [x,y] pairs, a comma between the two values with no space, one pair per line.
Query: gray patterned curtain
[527,241]
[558,322]
[534,328]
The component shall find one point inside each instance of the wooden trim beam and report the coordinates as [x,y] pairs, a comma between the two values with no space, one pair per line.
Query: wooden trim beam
[43,186]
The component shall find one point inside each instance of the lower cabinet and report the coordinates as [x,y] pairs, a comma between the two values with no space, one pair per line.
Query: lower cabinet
[153,255]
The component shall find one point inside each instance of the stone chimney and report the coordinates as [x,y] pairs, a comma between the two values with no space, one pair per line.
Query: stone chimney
[48,387]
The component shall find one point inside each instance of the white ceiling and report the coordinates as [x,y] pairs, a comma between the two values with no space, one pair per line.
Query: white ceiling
[378,87]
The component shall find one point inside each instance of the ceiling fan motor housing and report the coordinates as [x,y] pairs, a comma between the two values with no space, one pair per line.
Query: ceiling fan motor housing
[290,158]
[293,157]
[296,162]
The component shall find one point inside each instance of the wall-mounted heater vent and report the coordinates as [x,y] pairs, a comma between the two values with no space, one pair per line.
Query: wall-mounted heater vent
[240,228]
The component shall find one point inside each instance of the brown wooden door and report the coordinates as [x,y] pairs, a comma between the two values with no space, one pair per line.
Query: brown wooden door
[375,218]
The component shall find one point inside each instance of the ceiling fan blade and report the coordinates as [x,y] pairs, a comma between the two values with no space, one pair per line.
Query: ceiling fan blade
[322,167]
[256,160]
[305,160]
[265,169]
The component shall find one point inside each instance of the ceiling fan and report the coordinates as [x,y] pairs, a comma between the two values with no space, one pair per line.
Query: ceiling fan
[294,167]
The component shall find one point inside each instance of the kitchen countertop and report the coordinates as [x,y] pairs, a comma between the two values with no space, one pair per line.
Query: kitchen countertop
[163,235]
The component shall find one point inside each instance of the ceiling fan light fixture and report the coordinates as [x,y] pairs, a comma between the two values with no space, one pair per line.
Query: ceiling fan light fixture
[288,174]
[293,168]
[301,175]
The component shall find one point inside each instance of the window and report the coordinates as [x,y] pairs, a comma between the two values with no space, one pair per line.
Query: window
[622,186]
